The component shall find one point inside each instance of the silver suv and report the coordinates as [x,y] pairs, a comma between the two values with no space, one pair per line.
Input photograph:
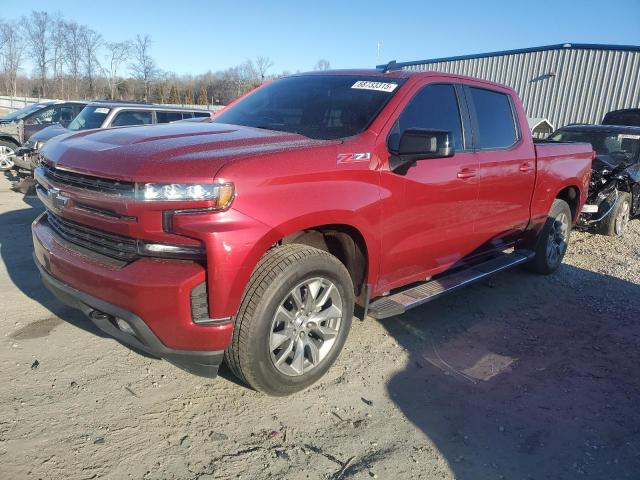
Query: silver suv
[103,114]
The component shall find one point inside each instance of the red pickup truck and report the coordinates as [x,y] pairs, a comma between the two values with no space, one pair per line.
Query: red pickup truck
[250,238]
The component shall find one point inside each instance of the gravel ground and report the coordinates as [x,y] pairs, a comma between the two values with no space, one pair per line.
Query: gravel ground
[517,377]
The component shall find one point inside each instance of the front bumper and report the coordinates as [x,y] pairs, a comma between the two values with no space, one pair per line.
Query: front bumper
[151,296]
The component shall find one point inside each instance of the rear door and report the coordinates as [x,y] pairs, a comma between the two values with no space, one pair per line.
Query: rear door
[506,167]
[428,215]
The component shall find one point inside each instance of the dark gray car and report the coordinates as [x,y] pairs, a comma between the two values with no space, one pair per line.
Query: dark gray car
[17,127]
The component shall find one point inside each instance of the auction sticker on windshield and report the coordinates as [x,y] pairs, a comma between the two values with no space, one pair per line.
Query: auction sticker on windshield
[378,86]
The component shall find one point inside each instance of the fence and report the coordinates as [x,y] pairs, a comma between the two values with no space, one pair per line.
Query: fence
[15,103]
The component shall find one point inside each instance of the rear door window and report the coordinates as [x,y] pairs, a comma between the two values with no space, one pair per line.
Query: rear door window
[201,114]
[132,117]
[495,120]
[166,117]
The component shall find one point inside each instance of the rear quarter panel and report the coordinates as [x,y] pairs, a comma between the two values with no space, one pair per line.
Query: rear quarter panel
[560,165]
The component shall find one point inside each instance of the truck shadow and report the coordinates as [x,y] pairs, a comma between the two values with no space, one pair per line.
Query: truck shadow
[16,247]
[524,376]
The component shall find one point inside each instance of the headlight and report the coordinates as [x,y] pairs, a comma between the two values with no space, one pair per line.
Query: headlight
[221,193]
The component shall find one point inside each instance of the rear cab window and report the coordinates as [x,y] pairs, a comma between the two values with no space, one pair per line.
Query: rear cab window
[495,119]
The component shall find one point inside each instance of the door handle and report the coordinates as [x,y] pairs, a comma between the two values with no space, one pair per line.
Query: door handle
[466,173]
[525,167]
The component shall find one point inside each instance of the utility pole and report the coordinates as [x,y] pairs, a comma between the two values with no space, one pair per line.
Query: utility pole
[379,46]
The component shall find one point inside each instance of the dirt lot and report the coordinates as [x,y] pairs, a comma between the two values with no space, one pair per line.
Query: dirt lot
[519,377]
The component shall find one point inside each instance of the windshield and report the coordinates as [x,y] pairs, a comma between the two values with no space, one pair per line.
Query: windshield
[619,146]
[23,112]
[89,117]
[316,106]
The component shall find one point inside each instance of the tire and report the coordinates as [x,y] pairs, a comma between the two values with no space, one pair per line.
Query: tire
[272,331]
[7,150]
[553,239]
[616,222]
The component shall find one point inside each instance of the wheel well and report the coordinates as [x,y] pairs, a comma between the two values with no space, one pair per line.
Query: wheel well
[571,195]
[342,241]
[10,140]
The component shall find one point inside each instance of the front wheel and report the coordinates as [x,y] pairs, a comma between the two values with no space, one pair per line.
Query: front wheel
[7,154]
[293,320]
[553,239]
[617,221]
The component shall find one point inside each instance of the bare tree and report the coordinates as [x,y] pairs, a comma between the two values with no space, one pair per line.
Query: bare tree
[57,41]
[91,42]
[117,54]
[36,33]
[322,64]
[73,53]
[262,66]
[11,50]
[143,67]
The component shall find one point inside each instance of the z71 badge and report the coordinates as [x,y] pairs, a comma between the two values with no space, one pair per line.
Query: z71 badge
[353,157]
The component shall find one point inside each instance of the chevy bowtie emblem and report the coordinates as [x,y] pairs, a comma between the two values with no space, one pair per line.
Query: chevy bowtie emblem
[58,200]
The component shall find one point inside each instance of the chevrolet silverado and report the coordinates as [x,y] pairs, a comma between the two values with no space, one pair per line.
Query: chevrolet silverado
[250,238]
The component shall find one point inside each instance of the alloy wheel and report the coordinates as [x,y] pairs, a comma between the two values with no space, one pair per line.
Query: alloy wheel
[7,154]
[558,239]
[305,326]
[622,220]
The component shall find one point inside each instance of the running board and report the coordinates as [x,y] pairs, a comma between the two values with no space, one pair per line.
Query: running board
[400,302]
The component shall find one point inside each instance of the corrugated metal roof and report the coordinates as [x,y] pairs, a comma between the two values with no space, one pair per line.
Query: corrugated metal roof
[558,46]
[567,83]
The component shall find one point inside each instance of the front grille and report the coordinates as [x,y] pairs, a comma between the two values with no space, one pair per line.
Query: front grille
[113,246]
[104,185]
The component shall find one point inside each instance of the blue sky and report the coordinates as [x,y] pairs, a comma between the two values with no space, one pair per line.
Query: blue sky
[196,36]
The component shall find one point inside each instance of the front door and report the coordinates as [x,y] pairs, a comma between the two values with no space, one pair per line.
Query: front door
[429,213]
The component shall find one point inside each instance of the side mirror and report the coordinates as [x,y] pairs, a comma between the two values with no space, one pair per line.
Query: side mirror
[420,144]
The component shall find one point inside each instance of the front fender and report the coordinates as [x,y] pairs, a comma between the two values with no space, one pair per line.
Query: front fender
[236,242]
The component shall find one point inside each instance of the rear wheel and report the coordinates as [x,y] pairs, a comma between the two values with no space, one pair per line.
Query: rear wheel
[617,221]
[553,239]
[293,321]
[7,154]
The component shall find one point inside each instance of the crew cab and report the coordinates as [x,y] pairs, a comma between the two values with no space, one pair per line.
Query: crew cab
[102,114]
[250,238]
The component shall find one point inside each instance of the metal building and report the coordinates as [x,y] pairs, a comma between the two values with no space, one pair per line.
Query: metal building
[568,83]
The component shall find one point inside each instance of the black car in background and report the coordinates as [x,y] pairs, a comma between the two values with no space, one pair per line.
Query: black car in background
[17,127]
[628,116]
[614,190]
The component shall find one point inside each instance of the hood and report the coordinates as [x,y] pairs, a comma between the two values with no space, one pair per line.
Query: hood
[155,153]
[48,133]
